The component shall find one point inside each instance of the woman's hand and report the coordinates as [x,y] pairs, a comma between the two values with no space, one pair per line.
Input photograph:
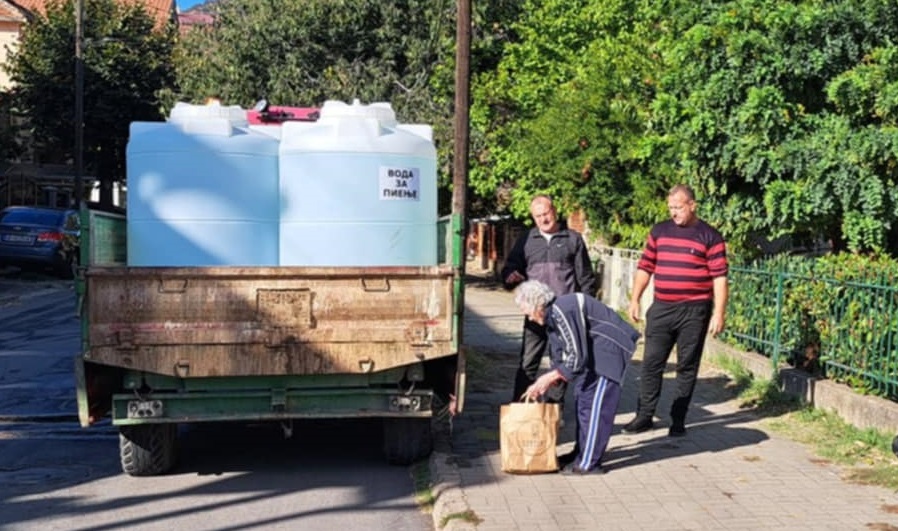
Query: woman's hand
[532,393]
[542,384]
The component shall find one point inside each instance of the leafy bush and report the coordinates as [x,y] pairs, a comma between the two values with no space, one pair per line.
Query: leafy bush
[834,316]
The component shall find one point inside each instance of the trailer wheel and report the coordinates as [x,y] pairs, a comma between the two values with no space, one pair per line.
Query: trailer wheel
[407,440]
[148,449]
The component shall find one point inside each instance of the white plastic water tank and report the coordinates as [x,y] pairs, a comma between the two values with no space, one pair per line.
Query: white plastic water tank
[357,189]
[202,190]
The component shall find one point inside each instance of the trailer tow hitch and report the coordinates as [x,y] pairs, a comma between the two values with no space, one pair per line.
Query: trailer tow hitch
[144,407]
[287,427]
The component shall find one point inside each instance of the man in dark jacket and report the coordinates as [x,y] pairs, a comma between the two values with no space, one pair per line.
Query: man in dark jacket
[556,256]
[589,346]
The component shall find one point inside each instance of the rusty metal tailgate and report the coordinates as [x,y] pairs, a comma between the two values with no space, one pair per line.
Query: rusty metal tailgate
[235,321]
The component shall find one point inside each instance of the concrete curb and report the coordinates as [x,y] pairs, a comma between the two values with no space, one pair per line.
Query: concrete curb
[450,503]
[862,411]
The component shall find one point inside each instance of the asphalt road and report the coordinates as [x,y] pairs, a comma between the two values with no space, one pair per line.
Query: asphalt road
[56,475]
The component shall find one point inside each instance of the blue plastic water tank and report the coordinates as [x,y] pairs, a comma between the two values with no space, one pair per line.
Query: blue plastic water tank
[357,189]
[202,190]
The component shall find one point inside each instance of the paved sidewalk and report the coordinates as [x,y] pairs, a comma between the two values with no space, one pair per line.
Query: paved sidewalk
[726,473]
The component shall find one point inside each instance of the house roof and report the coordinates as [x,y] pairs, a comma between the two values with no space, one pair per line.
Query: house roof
[196,17]
[10,12]
[31,5]
[161,10]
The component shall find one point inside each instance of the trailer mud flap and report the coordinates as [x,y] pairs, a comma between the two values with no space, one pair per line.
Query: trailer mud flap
[461,380]
[94,385]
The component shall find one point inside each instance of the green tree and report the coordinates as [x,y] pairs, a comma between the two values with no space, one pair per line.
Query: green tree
[548,42]
[567,108]
[126,64]
[779,116]
[10,147]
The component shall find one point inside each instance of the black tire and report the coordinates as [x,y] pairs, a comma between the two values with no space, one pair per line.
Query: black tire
[149,449]
[407,440]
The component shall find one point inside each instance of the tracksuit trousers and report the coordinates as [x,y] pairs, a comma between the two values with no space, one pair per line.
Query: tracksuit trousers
[596,399]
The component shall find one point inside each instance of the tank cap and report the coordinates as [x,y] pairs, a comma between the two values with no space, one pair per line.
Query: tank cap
[381,111]
[213,110]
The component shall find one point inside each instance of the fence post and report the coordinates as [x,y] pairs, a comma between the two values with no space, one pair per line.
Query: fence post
[778,324]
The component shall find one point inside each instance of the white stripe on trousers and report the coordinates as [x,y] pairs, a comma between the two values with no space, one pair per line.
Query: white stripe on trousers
[595,424]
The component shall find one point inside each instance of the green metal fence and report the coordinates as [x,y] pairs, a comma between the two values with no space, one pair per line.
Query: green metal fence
[835,324]
[843,330]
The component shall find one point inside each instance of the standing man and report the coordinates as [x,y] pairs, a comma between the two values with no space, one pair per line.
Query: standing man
[556,256]
[688,259]
[590,346]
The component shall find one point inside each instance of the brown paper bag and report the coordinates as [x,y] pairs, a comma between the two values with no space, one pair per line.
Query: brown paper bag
[528,432]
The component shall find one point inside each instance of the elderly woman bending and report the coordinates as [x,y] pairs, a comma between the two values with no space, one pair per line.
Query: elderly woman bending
[590,347]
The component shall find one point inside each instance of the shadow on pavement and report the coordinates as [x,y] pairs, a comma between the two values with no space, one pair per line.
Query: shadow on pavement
[492,336]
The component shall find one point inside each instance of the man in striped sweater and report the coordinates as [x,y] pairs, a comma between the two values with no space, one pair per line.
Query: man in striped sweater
[688,260]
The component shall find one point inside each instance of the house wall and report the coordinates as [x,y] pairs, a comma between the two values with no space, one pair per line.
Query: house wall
[9,37]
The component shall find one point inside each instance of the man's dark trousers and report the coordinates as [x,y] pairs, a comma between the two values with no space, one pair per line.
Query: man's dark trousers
[533,346]
[684,324]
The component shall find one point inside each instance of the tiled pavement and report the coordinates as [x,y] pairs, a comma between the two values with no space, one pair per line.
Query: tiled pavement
[726,473]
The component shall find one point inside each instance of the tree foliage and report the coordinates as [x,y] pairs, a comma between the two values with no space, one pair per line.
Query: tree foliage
[126,64]
[780,114]
[781,119]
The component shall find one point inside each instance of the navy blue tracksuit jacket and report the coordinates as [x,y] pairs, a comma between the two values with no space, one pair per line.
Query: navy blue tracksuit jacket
[591,346]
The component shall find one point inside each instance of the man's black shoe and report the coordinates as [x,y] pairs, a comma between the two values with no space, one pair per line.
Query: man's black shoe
[574,470]
[677,429]
[566,459]
[638,425]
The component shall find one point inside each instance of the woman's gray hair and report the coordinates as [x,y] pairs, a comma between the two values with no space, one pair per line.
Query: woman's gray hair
[532,295]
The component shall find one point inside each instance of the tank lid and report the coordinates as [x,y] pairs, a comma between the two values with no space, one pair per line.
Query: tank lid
[183,113]
[380,111]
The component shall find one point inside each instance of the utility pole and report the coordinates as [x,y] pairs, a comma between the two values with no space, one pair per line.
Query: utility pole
[79,101]
[460,179]
[462,108]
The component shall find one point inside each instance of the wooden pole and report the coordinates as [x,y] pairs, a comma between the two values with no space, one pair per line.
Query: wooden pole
[79,101]
[460,184]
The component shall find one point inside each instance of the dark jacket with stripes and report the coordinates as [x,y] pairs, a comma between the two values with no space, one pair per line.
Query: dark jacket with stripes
[588,337]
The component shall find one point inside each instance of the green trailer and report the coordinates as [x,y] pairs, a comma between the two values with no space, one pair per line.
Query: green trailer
[162,346]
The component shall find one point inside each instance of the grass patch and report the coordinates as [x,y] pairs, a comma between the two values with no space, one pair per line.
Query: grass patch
[865,454]
[424,497]
[465,516]
[764,396]
[741,376]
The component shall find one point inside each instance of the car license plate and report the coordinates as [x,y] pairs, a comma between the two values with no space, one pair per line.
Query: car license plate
[18,238]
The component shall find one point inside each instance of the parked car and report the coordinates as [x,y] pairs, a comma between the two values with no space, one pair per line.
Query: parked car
[43,238]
